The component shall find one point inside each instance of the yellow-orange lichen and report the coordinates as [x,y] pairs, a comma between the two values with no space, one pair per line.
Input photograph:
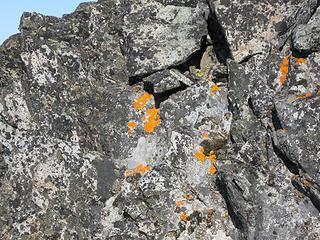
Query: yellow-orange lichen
[142,101]
[214,88]
[212,169]
[305,95]
[141,169]
[200,155]
[284,70]
[300,61]
[184,216]
[205,135]
[318,92]
[179,203]
[152,120]
[131,126]
[187,196]
[212,156]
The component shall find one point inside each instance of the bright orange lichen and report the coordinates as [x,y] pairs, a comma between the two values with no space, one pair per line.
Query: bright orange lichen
[284,70]
[214,88]
[179,203]
[300,61]
[142,101]
[152,120]
[212,156]
[141,168]
[184,217]
[131,126]
[212,169]
[200,155]
[303,96]
[205,135]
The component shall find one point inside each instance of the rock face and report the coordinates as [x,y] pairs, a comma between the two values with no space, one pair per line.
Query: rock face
[162,119]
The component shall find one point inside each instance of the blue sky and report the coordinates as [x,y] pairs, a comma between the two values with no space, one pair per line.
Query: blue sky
[11,11]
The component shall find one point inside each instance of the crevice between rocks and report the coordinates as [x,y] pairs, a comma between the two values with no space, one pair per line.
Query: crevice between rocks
[194,59]
[292,167]
[217,34]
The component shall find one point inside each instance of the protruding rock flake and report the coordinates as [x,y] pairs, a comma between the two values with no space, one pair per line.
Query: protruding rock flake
[162,119]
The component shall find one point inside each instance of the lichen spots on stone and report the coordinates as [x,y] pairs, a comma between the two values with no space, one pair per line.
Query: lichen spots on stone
[131,126]
[142,101]
[300,61]
[304,96]
[284,70]
[184,216]
[152,120]
[214,88]
[179,203]
[200,155]
[212,156]
[140,169]
[212,169]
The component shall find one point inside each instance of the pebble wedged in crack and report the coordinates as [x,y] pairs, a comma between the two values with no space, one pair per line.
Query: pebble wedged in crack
[217,152]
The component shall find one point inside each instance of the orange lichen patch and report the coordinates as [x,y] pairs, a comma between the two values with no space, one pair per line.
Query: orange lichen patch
[205,135]
[131,126]
[303,96]
[141,168]
[187,196]
[284,69]
[142,101]
[152,120]
[212,156]
[214,88]
[300,61]
[212,169]
[184,217]
[200,155]
[179,203]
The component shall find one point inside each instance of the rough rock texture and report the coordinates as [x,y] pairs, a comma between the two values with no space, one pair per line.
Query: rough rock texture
[162,119]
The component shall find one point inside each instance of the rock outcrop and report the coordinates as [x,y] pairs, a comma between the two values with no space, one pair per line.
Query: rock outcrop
[162,119]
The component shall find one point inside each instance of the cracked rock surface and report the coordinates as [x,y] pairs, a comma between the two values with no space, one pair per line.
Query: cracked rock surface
[162,119]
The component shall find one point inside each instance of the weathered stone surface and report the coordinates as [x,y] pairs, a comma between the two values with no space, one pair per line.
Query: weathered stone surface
[219,150]
[154,44]
[306,37]
[251,26]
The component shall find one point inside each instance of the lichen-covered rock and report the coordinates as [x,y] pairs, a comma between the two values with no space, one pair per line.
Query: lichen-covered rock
[251,26]
[154,44]
[306,37]
[125,120]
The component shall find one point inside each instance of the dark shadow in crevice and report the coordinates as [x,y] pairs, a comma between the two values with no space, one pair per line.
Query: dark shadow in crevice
[247,58]
[292,166]
[163,96]
[217,34]
[224,189]
[276,120]
[301,54]
[314,198]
